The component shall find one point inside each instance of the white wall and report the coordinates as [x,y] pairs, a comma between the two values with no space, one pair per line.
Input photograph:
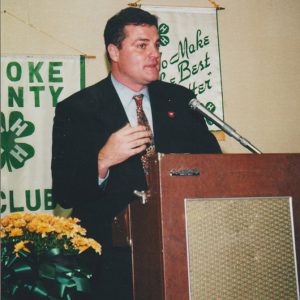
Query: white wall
[260,56]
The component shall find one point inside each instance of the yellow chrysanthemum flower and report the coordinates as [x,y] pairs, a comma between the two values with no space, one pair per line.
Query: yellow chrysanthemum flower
[32,226]
[4,222]
[21,246]
[16,232]
[80,243]
[96,246]
[19,223]
[28,217]
[44,229]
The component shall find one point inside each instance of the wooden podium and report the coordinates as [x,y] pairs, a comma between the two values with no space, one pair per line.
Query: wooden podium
[230,199]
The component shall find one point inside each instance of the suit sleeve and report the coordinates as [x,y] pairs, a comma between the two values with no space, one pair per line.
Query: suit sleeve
[74,162]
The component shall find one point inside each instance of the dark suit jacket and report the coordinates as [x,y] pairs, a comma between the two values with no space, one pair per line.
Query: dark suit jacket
[82,125]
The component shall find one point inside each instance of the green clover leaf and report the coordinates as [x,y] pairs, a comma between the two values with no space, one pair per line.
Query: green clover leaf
[211,107]
[163,29]
[13,153]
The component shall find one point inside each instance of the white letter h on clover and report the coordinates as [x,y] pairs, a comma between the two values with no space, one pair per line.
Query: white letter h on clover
[18,128]
[17,152]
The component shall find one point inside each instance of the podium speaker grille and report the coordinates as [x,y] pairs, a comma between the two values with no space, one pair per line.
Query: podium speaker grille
[241,248]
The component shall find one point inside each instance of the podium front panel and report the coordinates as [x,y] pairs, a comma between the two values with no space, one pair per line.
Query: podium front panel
[241,248]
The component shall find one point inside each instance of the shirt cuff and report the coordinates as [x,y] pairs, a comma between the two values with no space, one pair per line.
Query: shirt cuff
[101,181]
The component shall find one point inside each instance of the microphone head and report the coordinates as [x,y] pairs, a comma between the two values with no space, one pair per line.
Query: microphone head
[196,105]
[193,103]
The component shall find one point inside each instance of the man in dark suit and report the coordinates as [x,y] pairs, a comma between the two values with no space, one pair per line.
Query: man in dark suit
[97,142]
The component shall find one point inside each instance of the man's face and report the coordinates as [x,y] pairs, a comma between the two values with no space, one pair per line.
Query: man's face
[136,63]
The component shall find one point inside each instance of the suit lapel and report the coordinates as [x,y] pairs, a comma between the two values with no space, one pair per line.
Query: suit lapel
[160,105]
[112,111]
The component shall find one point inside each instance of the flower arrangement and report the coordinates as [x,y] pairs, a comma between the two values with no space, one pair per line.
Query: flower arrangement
[39,256]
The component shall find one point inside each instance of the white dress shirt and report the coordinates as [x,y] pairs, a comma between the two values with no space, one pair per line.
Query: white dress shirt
[126,96]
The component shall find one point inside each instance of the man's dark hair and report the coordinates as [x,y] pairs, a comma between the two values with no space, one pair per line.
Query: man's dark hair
[114,29]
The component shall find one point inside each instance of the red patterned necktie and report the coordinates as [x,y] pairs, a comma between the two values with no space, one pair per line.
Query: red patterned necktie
[142,120]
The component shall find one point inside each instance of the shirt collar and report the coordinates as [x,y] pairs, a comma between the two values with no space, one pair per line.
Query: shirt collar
[125,94]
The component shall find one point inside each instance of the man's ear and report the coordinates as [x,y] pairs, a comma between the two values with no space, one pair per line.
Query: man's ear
[113,52]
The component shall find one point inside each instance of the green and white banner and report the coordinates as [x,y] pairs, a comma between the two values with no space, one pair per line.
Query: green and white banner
[31,87]
[190,52]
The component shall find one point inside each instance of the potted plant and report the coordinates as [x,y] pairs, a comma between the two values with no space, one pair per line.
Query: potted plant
[40,257]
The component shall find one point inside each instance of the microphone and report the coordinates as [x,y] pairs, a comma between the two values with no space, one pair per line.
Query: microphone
[195,104]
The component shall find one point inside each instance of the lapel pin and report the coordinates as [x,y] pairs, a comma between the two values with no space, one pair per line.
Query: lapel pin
[171,114]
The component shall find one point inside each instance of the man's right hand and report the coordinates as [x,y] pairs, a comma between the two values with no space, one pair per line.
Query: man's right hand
[121,145]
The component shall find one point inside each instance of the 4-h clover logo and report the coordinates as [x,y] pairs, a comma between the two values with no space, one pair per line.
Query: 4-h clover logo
[163,29]
[14,153]
[212,108]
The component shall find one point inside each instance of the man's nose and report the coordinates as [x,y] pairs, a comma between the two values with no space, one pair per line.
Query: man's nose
[154,51]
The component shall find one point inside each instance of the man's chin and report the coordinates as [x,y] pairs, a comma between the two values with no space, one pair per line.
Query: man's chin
[153,77]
